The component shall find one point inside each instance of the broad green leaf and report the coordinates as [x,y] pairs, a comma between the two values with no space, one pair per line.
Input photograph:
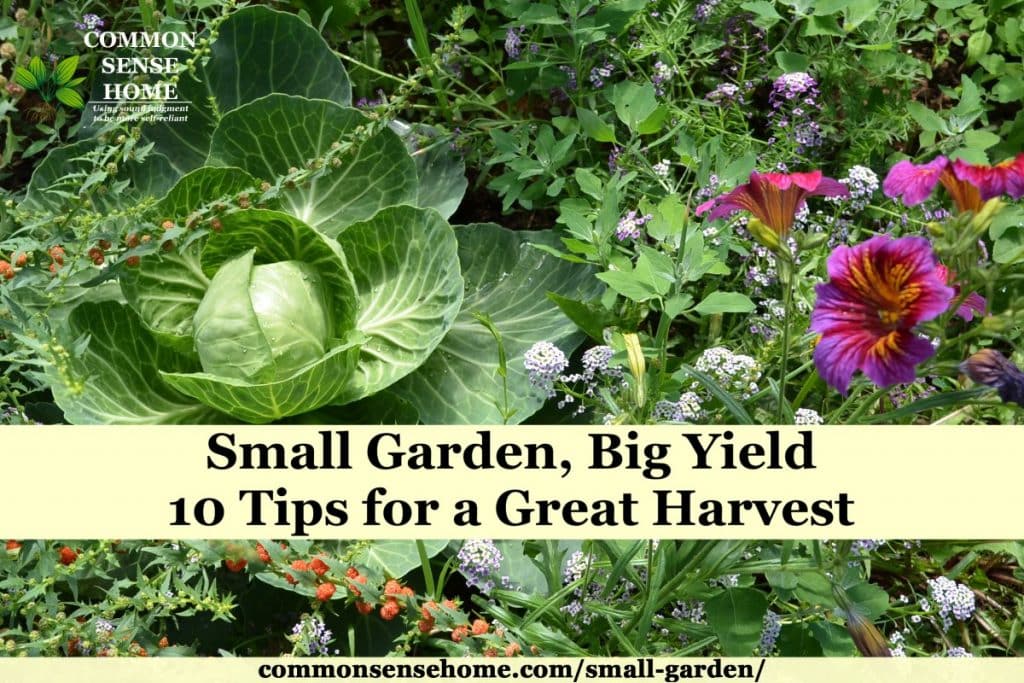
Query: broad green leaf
[65,70]
[736,616]
[313,386]
[440,170]
[632,284]
[119,374]
[395,559]
[594,126]
[260,51]
[508,280]
[165,291]
[653,123]
[200,187]
[405,266]
[823,26]
[524,576]
[792,61]
[59,180]
[981,139]
[797,640]
[869,600]
[589,317]
[379,409]
[835,640]
[278,132]
[70,98]
[767,16]
[1009,248]
[926,118]
[725,302]
[633,102]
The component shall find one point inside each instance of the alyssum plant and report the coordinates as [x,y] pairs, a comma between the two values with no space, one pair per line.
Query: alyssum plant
[278,253]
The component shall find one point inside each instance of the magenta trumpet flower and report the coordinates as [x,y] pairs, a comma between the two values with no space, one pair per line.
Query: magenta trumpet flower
[774,198]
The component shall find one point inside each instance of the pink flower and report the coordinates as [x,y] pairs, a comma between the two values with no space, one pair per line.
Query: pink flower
[1006,177]
[878,291]
[774,198]
[914,183]
[970,185]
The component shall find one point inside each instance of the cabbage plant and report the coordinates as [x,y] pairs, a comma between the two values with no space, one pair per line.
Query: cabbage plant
[300,264]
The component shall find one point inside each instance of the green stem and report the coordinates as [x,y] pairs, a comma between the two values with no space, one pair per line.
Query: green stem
[428,574]
[786,266]
[420,41]
[864,406]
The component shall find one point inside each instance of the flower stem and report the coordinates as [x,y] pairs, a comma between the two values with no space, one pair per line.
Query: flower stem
[785,268]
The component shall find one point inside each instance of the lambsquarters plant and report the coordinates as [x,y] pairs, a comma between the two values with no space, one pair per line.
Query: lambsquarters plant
[278,253]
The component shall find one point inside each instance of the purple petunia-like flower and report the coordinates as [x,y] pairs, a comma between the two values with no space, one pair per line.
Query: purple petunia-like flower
[878,292]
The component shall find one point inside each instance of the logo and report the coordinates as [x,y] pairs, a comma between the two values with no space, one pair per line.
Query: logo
[134,83]
[58,83]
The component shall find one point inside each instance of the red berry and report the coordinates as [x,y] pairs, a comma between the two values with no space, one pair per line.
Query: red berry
[67,556]
[425,625]
[351,572]
[364,607]
[290,579]
[132,240]
[235,565]
[319,567]
[168,245]
[163,642]
[262,553]
[104,244]
[480,627]
[392,587]
[216,225]
[13,545]
[459,632]
[300,565]
[324,591]
[132,261]
[95,252]
[167,225]
[390,609]
[512,650]
[20,259]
